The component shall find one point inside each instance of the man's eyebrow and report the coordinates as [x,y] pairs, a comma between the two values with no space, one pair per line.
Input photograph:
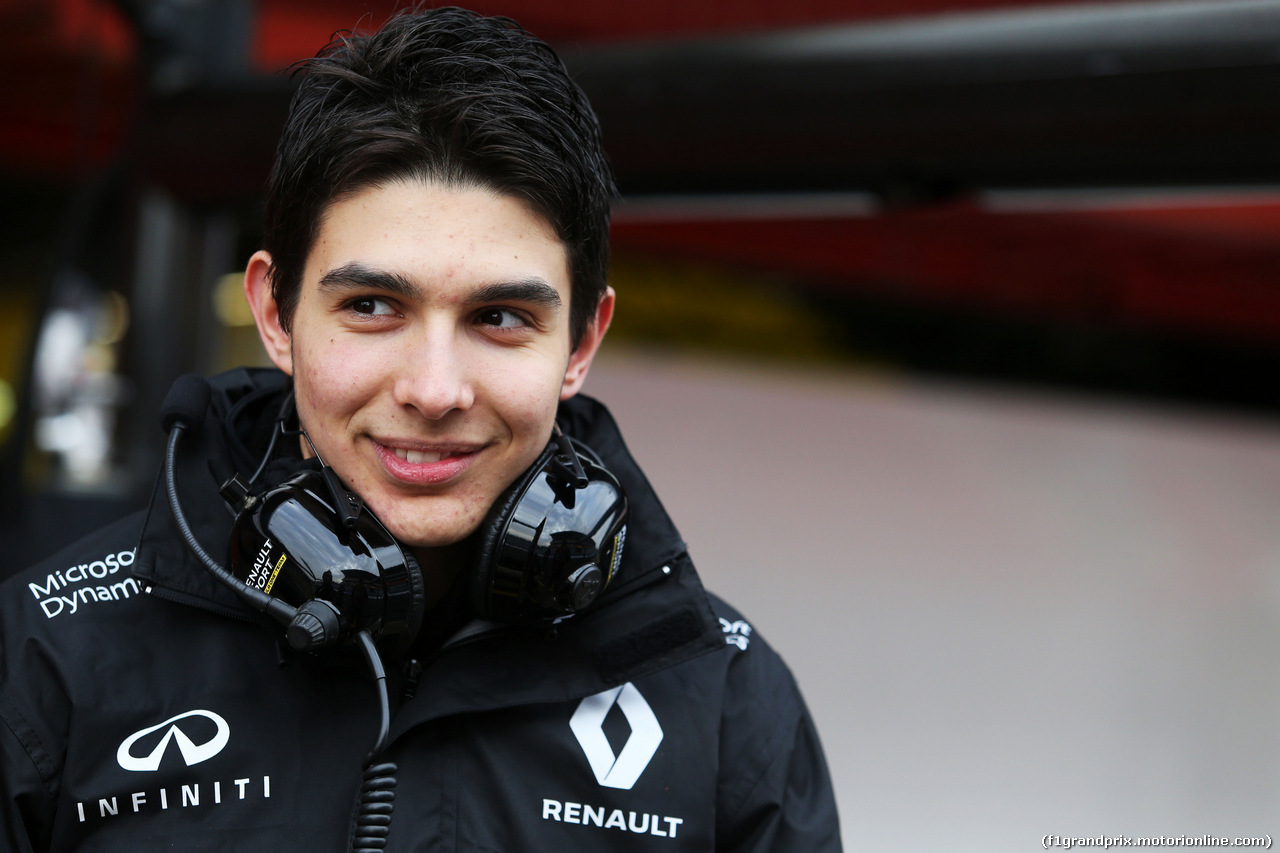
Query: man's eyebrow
[355,275]
[531,291]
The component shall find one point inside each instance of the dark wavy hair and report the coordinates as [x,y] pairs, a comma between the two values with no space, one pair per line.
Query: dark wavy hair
[443,95]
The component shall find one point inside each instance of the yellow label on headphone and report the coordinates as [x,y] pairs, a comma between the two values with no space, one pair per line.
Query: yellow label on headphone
[274,574]
[618,542]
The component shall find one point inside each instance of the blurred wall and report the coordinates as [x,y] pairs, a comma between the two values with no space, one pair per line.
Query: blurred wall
[1012,614]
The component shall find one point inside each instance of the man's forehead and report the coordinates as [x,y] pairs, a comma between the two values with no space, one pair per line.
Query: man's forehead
[461,185]
[382,226]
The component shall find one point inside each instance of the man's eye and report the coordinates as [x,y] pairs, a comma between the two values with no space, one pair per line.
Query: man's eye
[502,318]
[371,306]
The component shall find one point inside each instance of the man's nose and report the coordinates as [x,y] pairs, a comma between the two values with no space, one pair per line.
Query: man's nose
[432,375]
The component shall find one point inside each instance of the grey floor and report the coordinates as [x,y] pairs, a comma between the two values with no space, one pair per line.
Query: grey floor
[1013,614]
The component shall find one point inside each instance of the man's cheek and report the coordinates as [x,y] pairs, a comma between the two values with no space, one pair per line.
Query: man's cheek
[333,371]
[529,401]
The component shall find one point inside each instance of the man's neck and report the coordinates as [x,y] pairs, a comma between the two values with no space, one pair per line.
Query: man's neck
[439,568]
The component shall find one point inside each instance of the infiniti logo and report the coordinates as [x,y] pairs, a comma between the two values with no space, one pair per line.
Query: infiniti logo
[192,753]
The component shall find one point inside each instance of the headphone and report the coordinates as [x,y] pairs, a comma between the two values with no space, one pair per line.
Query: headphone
[312,557]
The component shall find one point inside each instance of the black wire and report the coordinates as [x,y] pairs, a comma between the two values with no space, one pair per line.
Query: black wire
[384,701]
[171,487]
[277,429]
[273,607]
[377,790]
[266,457]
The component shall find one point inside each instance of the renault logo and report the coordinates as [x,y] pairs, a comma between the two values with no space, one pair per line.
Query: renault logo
[621,770]
[192,752]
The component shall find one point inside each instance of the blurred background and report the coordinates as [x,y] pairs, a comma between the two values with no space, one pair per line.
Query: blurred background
[948,330]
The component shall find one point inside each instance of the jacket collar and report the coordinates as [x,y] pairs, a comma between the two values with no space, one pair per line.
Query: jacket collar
[653,615]
[207,455]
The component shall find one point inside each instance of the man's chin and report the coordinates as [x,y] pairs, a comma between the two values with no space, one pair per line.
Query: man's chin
[420,537]
[431,521]
[420,544]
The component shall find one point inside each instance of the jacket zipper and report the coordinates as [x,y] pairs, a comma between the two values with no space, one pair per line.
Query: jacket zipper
[412,670]
[199,603]
[465,640]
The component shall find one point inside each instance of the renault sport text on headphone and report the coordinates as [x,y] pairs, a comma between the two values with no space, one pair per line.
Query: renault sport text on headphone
[312,557]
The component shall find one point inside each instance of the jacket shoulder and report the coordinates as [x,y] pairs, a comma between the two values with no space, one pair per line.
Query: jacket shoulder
[741,636]
[762,702]
[48,643]
[93,570]
[775,789]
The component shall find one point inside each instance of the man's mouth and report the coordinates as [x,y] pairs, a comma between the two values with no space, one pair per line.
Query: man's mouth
[419,457]
[426,467]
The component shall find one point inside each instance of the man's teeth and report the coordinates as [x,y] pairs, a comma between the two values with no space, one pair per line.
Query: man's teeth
[418,457]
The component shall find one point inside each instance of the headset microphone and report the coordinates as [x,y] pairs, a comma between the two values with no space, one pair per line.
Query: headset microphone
[186,404]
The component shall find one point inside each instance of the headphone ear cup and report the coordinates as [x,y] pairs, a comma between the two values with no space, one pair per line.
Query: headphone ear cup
[417,600]
[493,532]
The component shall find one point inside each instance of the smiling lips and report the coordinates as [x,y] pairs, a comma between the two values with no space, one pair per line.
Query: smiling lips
[417,457]
[425,467]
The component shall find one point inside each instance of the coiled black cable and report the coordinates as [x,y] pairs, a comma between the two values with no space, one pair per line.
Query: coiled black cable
[373,817]
[377,790]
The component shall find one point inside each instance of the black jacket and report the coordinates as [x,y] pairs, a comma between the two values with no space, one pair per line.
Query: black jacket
[144,708]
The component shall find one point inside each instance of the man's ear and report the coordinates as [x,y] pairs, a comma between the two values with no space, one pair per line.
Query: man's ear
[266,313]
[580,359]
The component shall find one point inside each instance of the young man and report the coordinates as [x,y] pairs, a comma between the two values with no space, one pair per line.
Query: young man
[432,290]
